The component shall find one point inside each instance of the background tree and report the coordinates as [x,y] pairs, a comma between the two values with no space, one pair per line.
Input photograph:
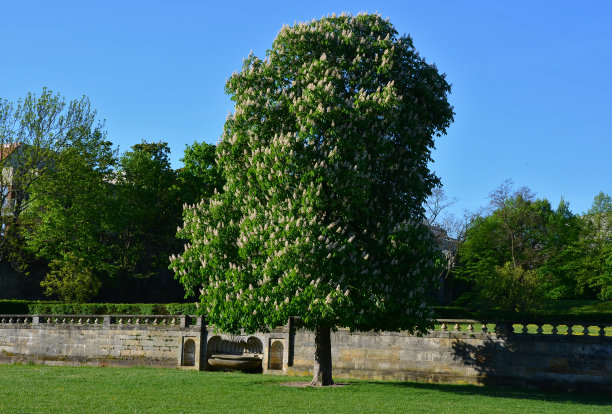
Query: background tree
[326,161]
[34,136]
[147,213]
[524,243]
[448,229]
[70,212]
[199,176]
[584,266]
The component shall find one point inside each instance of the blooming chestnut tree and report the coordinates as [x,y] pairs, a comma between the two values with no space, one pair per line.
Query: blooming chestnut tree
[326,167]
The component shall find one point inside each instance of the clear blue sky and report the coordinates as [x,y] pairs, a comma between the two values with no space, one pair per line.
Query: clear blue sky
[532,80]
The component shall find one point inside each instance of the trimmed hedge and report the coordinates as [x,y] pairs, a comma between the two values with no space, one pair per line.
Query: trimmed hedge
[61,308]
[14,307]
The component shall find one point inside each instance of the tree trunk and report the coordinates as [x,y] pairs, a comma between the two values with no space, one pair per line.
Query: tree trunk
[322,358]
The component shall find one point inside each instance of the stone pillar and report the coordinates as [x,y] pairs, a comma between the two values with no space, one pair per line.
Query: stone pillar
[504,329]
[201,358]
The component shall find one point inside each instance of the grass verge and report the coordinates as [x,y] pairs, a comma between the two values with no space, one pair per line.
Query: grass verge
[36,388]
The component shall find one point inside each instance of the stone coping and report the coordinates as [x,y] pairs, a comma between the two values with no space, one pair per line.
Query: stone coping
[167,320]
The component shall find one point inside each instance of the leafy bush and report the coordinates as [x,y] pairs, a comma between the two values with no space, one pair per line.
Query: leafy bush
[181,309]
[511,288]
[70,279]
[110,308]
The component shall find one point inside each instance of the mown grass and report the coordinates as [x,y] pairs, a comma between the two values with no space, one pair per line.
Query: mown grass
[577,307]
[37,389]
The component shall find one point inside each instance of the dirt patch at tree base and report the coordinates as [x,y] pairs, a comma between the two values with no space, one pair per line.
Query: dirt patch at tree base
[301,384]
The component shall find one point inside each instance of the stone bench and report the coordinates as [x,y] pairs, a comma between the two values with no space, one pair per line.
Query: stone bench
[234,352]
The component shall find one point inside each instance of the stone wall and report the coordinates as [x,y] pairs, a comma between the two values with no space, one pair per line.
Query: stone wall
[104,340]
[568,362]
[463,354]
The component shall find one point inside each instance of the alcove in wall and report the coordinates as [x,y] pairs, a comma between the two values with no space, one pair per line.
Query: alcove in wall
[276,354]
[189,353]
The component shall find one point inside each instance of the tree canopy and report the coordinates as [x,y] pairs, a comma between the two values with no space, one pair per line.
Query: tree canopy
[326,167]
[35,136]
[200,175]
[525,250]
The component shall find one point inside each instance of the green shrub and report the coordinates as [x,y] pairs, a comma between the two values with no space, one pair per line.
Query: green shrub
[70,280]
[181,309]
[59,308]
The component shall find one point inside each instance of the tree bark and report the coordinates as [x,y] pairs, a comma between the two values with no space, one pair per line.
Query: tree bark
[322,358]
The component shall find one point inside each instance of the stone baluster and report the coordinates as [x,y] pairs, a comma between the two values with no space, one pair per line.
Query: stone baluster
[470,327]
[602,330]
[457,327]
[570,331]
[525,330]
[443,327]
[585,329]
[540,329]
[484,328]
[555,331]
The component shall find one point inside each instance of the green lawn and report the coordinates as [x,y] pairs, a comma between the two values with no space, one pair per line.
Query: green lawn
[577,307]
[38,389]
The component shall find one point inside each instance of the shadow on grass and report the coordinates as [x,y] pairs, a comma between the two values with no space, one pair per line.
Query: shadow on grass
[492,391]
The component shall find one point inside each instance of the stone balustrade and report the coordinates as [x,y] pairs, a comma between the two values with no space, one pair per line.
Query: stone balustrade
[445,325]
[526,328]
[107,320]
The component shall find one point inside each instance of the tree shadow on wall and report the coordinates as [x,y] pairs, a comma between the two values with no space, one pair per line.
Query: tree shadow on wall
[523,360]
[492,359]
[502,362]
